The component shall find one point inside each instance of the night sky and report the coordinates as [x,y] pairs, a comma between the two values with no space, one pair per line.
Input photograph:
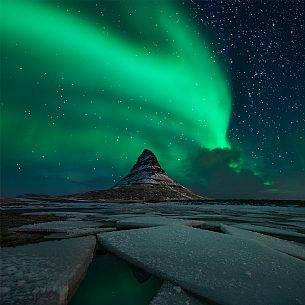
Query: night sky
[216,89]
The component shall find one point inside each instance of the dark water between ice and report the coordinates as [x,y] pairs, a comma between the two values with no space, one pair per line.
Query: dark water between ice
[109,281]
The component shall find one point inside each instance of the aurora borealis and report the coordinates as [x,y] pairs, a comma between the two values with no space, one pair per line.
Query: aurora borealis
[87,85]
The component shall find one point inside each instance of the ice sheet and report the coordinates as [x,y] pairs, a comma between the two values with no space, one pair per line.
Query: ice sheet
[44,273]
[170,294]
[285,246]
[217,267]
[153,221]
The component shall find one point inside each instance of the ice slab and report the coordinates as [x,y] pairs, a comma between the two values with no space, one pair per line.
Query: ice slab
[298,219]
[79,233]
[170,294]
[269,230]
[44,273]
[57,226]
[275,243]
[295,224]
[217,267]
[154,221]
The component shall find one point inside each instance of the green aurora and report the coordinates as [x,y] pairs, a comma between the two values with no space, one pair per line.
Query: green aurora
[94,95]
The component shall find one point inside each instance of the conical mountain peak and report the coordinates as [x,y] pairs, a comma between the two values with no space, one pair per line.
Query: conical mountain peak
[146,181]
[147,161]
[146,171]
[146,154]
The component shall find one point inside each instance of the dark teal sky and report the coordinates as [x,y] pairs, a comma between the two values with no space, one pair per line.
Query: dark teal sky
[86,86]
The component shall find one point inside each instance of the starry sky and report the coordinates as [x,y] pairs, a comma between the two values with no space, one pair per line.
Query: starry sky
[216,89]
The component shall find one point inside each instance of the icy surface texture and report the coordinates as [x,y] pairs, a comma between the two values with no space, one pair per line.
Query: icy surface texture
[79,232]
[288,247]
[269,230]
[219,268]
[154,221]
[47,273]
[170,294]
[57,226]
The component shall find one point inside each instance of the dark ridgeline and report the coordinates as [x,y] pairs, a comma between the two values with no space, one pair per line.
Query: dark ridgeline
[146,181]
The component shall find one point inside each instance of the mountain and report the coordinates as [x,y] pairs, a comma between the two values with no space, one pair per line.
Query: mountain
[146,181]
[147,172]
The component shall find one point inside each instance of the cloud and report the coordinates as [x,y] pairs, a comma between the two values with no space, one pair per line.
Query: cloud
[288,186]
[223,173]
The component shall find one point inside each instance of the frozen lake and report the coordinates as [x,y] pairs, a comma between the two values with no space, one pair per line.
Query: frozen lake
[206,253]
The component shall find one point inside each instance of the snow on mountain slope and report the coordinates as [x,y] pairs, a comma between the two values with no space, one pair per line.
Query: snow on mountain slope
[147,170]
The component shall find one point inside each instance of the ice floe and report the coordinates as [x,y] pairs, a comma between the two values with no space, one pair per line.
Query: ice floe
[269,230]
[170,294]
[44,273]
[153,221]
[216,267]
[285,246]
[57,226]
[79,233]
